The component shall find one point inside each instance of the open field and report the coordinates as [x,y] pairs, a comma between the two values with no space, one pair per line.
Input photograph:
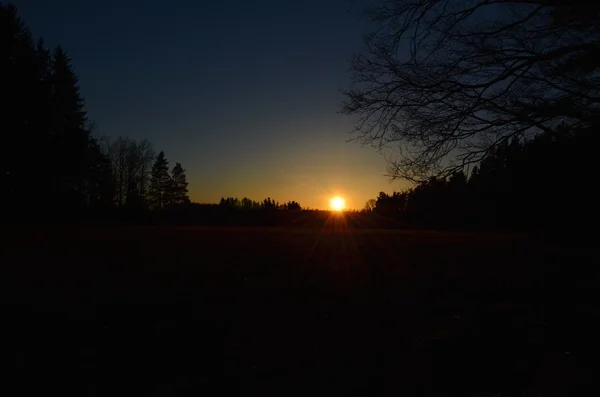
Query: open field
[108,310]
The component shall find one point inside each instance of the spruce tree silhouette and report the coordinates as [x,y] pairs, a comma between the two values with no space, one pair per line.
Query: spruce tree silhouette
[160,185]
[179,185]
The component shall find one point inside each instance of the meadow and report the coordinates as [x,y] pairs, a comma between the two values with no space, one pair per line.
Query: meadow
[321,308]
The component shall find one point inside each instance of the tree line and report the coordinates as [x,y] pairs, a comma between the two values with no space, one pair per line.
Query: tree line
[541,183]
[52,162]
[245,204]
[141,179]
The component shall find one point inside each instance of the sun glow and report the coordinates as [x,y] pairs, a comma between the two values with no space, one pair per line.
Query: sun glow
[337,203]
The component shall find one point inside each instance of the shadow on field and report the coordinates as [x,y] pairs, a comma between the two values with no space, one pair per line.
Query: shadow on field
[284,311]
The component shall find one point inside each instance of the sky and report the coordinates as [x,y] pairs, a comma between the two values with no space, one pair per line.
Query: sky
[244,94]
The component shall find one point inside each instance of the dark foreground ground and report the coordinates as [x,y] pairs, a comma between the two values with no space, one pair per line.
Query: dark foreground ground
[165,311]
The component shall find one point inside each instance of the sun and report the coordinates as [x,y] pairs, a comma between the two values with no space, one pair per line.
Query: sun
[337,203]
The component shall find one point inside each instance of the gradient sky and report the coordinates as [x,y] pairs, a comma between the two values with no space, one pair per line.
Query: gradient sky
[245,94]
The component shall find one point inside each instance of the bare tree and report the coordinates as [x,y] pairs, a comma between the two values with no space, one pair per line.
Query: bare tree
[370,205]
[147,156]
[131,163]
[448,80]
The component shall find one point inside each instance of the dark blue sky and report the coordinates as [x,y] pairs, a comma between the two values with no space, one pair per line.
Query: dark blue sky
[243,93]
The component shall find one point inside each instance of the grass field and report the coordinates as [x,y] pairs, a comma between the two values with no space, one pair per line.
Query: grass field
[328,310]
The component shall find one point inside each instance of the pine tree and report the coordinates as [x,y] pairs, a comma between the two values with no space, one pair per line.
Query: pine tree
[178,185]
[160,185]
[44,126]
[18,82]
[69,137]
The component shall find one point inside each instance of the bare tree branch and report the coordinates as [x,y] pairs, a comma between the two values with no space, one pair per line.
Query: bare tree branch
[446,80]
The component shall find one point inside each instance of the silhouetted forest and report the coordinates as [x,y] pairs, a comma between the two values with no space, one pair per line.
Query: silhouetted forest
[53,167]
[492,108]
[245,204]
[542,183]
